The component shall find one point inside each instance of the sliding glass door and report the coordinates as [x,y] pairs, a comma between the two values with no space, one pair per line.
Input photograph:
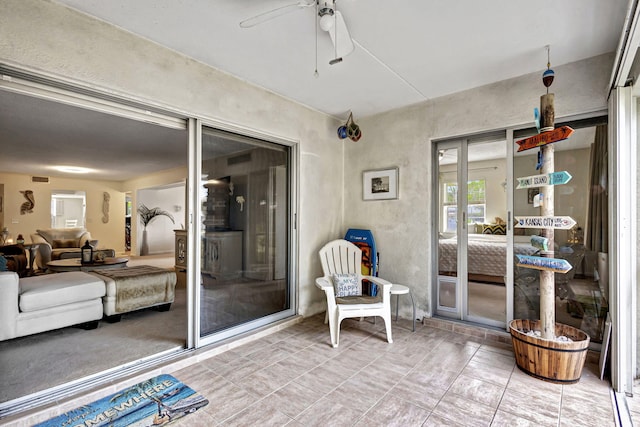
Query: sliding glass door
[485,186]
[472,229]
[244,236]
[579,195]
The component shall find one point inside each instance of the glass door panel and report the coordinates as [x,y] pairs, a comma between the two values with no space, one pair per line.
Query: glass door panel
[581,298]
[472,232]
[447,288]
[244,236]
[486,251]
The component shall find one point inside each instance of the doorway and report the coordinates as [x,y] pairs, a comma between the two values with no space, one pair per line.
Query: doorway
[472,229]
[245,202]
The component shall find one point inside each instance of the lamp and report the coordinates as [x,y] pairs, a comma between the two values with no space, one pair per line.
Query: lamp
[5,237]
[86,253]
[326,13]
[326,21]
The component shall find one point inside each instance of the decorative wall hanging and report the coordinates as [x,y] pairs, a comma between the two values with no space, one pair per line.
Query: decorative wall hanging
[27,207]
[380,184]
[105,207]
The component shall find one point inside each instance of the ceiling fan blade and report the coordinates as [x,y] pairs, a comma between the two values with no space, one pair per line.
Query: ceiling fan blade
[344,43]
[274,13]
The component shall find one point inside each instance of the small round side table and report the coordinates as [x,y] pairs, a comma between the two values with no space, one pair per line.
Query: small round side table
[398,290]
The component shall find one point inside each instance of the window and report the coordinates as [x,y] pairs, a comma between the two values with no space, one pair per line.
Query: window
[476,199]
[68,208]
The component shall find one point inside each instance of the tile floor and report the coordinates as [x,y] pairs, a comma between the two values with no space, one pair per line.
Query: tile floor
[444,374]
[432,377]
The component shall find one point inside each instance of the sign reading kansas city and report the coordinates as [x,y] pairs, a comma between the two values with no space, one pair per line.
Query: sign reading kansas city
[558,222]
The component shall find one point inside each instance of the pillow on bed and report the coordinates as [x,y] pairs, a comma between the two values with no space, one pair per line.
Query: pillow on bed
[494,229]
[346,285]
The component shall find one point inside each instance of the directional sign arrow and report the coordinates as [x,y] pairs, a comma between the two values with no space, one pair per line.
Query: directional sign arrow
[558,222]
[545,138]
[553,178]
[557,265]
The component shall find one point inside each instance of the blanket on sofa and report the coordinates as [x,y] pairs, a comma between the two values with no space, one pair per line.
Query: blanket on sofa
[141,286]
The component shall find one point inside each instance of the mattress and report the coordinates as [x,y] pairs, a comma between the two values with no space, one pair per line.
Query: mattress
[486,255]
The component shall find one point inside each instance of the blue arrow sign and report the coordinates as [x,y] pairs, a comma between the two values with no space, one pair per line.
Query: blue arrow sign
[553,178]
[557,265]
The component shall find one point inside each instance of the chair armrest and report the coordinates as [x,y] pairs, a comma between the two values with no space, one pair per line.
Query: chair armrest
[43,255]
[9,290]
[378,281]
[36,238]
[324,283]
[86,237]
[384,284]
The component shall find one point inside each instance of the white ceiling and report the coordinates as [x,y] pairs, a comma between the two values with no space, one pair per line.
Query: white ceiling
[406,52]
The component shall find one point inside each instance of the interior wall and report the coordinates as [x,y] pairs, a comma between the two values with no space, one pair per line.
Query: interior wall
[41,35]
[160,234]
[403,227]
[109,235]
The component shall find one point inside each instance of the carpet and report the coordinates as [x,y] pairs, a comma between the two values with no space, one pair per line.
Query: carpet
[157,401]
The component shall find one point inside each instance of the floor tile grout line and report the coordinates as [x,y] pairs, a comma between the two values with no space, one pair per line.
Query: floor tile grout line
[504,391]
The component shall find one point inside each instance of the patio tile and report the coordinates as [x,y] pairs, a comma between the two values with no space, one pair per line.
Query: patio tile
[532,404]
[259,414]
[464,411]
[392,411]
[293,399]
[433,377]
[477,390]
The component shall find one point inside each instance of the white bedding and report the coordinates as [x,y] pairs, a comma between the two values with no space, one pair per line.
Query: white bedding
[487,254]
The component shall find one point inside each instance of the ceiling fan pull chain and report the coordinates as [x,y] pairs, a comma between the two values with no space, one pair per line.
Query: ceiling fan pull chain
[316,74]
[335,30]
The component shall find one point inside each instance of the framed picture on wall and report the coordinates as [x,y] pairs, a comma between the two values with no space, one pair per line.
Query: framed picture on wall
[381,184]
[531,193]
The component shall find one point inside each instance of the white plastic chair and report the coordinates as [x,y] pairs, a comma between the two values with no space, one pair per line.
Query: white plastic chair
[343,257]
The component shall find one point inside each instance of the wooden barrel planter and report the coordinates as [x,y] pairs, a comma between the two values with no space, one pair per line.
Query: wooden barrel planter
[549,360]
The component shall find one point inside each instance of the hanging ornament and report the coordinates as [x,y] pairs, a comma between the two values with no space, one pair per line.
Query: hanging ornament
[547,109]
[350,129]
[548,74]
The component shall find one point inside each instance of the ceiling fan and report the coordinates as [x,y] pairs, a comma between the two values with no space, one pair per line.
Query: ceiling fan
[328,18]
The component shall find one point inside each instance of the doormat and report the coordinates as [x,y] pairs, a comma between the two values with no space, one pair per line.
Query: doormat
[157,401]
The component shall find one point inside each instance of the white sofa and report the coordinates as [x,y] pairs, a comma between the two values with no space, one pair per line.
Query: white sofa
[30,305]
[57,241]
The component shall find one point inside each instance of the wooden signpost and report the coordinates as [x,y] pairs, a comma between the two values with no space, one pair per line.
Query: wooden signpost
[557,265]
[544,138]
[553,178]
[556,222]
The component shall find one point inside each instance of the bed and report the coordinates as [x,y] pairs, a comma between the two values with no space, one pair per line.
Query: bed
[487,256]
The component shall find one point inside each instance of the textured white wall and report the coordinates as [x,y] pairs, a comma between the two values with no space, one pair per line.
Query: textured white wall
[45,36]
[402,228]
[41,35]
